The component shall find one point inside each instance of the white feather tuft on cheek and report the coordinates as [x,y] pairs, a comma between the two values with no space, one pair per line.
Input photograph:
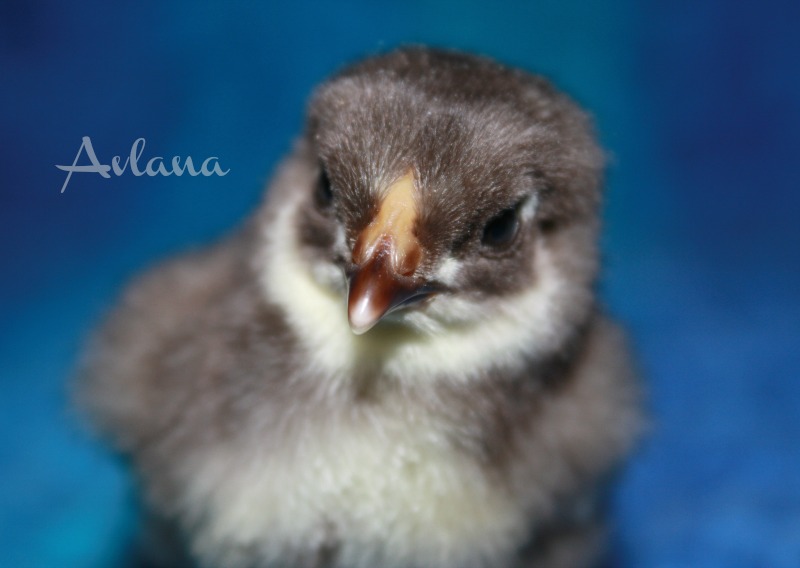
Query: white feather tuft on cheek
[448,271]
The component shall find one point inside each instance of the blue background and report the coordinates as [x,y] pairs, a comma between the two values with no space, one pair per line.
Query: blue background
[698,103]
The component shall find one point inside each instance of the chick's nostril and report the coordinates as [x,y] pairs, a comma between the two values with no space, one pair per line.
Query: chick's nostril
[406,261]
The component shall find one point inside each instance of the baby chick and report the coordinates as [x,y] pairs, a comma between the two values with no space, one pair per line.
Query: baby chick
[399,360]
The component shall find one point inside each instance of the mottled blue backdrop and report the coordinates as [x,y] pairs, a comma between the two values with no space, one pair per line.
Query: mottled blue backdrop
[698,103]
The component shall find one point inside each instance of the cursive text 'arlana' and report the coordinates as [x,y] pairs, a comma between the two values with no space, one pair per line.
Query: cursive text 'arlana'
[155,166]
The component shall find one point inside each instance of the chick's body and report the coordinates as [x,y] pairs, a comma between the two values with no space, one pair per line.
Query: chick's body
[469,410]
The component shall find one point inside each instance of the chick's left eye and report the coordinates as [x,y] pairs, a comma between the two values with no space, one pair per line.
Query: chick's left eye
[323,194]
[501,229]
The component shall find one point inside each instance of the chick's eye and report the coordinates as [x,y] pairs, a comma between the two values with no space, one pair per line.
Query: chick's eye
[323,195]
[501,229]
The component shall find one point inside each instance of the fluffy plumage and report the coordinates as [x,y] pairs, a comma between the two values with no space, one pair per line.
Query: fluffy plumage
[473,426]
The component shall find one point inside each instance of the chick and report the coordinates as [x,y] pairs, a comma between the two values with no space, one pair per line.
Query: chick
[398,361]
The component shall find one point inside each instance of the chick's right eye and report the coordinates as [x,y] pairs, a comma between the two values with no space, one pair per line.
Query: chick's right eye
[323,195]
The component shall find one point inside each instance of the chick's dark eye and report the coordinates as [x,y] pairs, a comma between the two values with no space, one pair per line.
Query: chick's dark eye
[501,229]
[323,195]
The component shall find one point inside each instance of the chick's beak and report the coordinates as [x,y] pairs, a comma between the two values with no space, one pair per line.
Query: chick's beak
[376,289]
[386,257]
